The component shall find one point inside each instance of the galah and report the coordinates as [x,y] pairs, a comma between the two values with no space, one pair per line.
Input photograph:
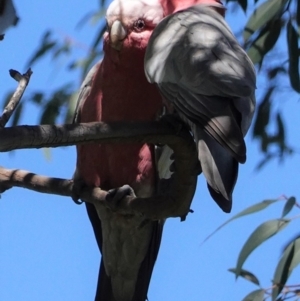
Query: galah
[208,79]
[116,89]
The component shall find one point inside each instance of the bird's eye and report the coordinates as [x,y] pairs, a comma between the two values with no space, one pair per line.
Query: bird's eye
[139,25]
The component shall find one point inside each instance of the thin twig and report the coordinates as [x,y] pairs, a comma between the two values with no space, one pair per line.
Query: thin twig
[16,97]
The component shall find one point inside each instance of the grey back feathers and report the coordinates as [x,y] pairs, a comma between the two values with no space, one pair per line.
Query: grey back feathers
[202,70]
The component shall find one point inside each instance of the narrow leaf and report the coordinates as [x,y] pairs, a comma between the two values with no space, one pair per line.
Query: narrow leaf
[252,209]
[290,241]
[296,257]
[298,12]
[37,98]
[265,41]
[257,295]
[258,236]
[99,36]
[272,73]
[280,136]
[264,161]
[41,52]
[292,40]
[263,114]
[262,15]
[247,275]
[282,270]
[45,46]
[290,203]
[243,4]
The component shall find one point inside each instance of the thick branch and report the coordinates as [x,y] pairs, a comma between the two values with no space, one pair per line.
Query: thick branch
[23,137]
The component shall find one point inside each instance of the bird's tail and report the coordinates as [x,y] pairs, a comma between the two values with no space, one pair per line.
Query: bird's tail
[219,167]
[104,288]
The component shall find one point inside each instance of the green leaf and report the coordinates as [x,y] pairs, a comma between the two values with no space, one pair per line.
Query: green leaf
[46,45]
[99,36]
[298,12]
[37,98]
[265,41]
[288,261]
[98,16]
[262,15]
[243,4]
[258,236]
[69,115]
[264,161]
[289,205]
[247,275]
[292,40]
[257,295]
[252,209]
[83,20]
[282,270]
[280,131]
[65,48]
[296,258]
[272,73]
[55,105]
[263,114]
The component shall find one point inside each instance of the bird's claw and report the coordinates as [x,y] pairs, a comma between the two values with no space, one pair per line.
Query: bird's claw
[77,187]
[114,196]
[173,120]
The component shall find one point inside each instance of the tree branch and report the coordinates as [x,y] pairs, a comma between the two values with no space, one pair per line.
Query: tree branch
[24,137]
[174,195]
[16,97]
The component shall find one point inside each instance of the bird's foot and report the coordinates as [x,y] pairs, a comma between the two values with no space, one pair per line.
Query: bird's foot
[114,196]
[78,186]
[174,120]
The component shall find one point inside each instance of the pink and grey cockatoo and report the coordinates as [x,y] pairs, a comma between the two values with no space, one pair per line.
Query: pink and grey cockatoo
[116,89]
[208,79]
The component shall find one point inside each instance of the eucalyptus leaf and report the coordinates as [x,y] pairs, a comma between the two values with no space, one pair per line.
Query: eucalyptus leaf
[265,41]
[292,40]
[282,270]
[252,209]
[263,113]
[288,261]
[246,275]
[257,295]
[289,205]
[262,15]
[258,236]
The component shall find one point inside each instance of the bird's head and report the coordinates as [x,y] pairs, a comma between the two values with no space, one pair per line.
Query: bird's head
[131,22]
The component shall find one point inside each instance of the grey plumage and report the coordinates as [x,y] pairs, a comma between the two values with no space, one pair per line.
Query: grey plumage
[201,69]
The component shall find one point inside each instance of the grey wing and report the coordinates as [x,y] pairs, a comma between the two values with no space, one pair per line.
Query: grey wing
[206,75]
[84,91]
[8,15]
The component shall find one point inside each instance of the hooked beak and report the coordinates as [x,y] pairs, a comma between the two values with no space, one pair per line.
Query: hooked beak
[117,35]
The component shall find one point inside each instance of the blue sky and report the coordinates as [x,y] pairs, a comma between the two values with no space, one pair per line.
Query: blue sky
[47,248]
